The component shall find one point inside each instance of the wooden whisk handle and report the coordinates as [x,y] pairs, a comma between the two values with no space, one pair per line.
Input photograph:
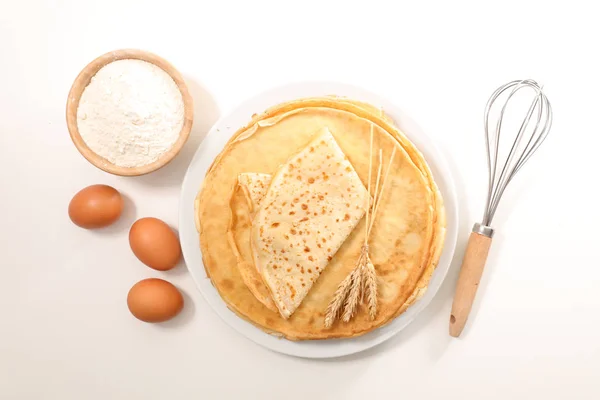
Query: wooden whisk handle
[470,275]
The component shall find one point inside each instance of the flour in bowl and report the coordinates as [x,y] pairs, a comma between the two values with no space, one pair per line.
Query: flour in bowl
[130,113]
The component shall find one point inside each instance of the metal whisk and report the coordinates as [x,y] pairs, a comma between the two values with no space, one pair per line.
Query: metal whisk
[528,139]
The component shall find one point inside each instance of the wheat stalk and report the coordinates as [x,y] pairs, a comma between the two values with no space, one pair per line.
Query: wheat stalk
[335,306]
[376,204]
[354,293]
[371,287]
[375,196]
[361,282]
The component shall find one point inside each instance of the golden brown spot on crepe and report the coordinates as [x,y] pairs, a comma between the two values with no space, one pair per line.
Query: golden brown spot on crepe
[303,284]
[322,142]
[289,270]
[310,258]
[292,291]
[310,272]
[227,284]
[304,219]
[284,203]
[292,212]
[385,270]
[306,249]
[319,245]
[293,231]
[315,214]
[301,269]
[296,200]
[328,258]
[312,149]
[329,250]
[348,169]
[347,204]
[321,197]
[275,224]
[337,220]
[299,177]
[304,207]
[324,240]
[346,217]
[286,237]
[311,180]
[397,242]
[285,258]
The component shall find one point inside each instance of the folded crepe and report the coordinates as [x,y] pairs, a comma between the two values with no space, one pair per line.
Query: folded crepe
[254,186]
[250,190]
[313,203]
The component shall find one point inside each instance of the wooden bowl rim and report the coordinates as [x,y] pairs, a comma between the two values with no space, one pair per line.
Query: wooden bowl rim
[83,80]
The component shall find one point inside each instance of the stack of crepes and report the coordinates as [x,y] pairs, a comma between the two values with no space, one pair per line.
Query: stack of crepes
[280,217]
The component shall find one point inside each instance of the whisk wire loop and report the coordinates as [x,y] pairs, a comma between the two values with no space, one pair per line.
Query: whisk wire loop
[540,112]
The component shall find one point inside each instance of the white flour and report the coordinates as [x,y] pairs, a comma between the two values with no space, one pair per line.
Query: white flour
[130,113]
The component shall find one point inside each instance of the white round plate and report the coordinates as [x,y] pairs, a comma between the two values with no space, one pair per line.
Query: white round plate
[212,146]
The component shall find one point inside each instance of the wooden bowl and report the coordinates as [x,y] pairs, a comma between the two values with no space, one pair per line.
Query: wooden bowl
[84,78]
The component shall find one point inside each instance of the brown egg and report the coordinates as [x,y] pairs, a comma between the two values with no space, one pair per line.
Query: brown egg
[154,243]
[154,300]
[96,206]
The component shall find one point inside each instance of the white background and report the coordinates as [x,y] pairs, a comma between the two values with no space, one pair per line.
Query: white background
[65,331]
